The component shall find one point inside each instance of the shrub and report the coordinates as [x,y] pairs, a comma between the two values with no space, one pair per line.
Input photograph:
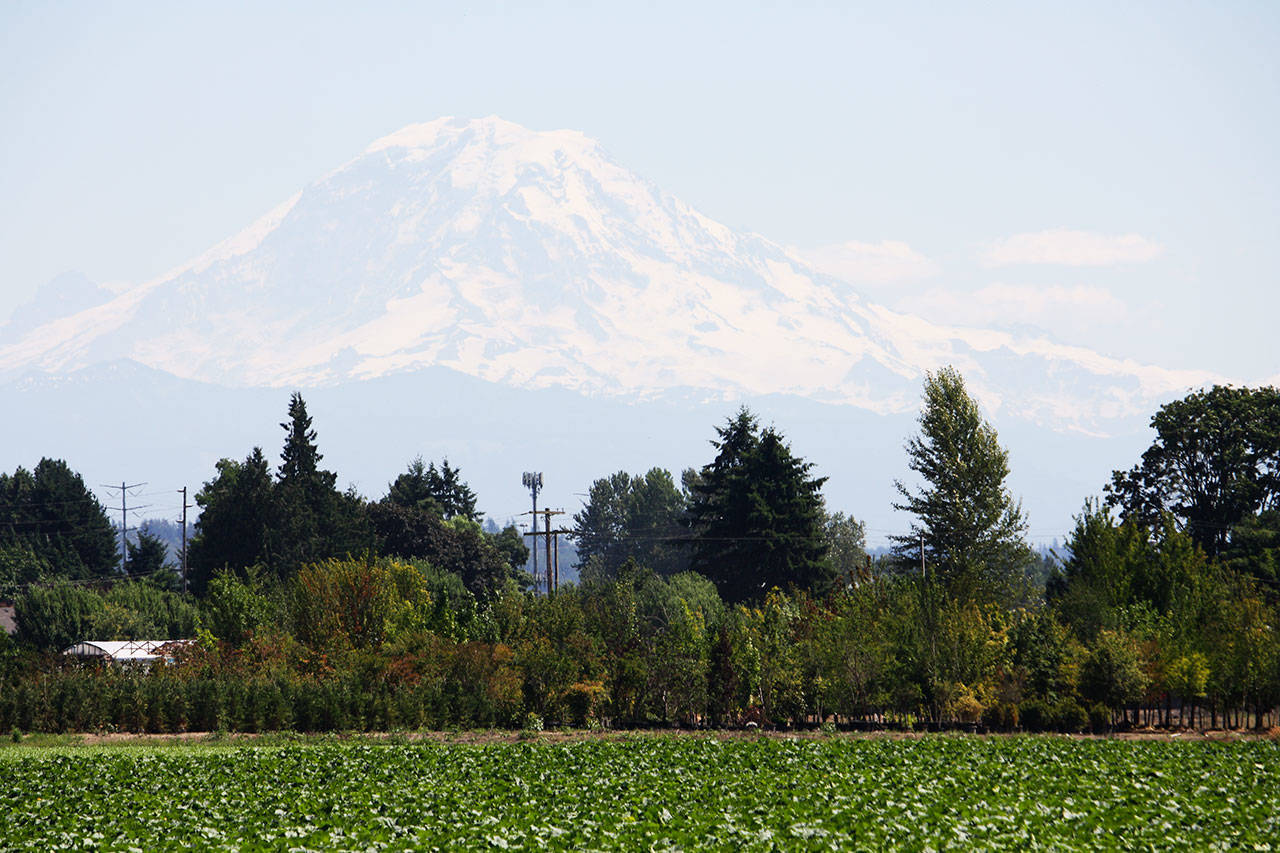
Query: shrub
[1099,718]
[1070,716]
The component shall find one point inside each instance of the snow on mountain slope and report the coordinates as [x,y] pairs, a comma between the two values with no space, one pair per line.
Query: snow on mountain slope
[533,259]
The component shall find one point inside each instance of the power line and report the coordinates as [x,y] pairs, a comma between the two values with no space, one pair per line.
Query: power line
[101,579]
[88,500]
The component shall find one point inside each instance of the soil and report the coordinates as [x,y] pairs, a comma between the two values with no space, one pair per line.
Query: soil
[553,736]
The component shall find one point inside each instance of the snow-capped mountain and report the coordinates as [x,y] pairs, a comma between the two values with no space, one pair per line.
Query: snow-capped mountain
[535,260]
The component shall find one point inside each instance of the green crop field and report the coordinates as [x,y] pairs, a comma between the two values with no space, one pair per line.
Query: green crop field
[645,793]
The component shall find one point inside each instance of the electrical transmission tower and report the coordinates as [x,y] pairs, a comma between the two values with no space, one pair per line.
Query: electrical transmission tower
[124,518]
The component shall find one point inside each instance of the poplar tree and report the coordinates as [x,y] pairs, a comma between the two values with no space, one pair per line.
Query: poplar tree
[970,527]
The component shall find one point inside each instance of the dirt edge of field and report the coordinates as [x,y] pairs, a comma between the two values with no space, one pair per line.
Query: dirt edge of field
[498,736]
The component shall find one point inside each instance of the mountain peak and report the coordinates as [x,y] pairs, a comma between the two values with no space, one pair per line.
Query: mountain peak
[490,132]
[531,258]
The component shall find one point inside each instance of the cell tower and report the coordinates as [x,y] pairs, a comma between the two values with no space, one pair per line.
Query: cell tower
[532,480]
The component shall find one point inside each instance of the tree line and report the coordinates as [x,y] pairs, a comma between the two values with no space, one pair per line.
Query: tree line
[729,596]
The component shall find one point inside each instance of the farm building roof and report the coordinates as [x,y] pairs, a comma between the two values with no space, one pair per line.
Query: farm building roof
[126,651]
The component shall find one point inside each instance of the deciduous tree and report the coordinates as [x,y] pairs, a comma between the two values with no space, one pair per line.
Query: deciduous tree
[632,517]
[1215,462]
[970,527]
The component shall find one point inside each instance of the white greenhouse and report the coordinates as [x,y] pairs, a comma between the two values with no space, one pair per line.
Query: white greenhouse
[127,652]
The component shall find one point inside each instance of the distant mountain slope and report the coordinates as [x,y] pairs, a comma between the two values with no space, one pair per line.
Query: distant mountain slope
[534,260]
[121,420]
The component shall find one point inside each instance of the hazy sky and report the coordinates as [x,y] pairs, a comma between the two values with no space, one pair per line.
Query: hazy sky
[1109,173]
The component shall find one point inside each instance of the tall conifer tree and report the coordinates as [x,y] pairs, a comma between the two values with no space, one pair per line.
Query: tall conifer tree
[756,516]
[308,496]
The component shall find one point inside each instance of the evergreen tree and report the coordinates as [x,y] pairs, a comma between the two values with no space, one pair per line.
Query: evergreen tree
[53,511]
[600,528]
[238,510]
[147,555]
[307,495]
[455,497]
[458,545]
[412,489]
[441,491]
[247,518]
[756,516]
[970,526]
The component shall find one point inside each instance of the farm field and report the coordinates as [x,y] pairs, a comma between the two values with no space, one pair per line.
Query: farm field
[644,792]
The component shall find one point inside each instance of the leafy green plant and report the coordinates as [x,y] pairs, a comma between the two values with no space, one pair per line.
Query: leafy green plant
[647,792]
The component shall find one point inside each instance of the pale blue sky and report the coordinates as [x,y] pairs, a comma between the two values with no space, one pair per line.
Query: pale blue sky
[1136,146]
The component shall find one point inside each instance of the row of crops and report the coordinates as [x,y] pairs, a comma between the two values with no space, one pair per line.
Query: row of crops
[646,793]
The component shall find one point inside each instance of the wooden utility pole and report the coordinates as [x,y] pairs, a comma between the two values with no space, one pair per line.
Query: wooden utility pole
[556,533]
[553,570]
[550,570]
[552,551]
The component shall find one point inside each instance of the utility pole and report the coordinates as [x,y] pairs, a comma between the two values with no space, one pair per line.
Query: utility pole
[557,533]
[532,481]
[185,505]
[923,572]
[124,519]
[553,572]
[553,569]
[549,569]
